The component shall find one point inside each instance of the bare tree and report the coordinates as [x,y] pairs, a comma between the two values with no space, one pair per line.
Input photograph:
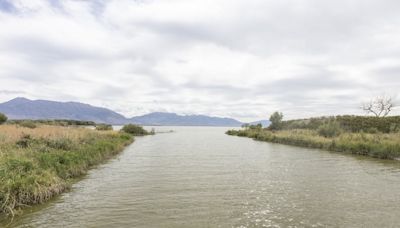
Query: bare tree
[379,106]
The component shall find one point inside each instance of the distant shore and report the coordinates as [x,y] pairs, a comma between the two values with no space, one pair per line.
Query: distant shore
[384,146]
[373,143]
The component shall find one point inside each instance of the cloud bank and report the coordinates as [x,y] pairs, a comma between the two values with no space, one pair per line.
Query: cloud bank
[232,58]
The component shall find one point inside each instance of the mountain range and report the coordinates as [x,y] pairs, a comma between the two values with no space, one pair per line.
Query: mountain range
[23,108]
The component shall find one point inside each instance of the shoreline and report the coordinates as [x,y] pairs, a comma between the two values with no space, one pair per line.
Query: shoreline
[382,146]
[38,164]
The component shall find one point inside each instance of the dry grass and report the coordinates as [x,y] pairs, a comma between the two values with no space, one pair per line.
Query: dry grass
[12,133]
[37,164]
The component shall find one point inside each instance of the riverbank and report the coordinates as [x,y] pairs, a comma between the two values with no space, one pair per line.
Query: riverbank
[39,163]
[378,145]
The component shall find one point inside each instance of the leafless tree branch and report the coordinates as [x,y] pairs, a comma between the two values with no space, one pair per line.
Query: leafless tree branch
[379,106]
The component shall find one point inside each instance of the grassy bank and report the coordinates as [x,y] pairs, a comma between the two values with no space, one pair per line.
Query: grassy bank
[379,145]
[39,163]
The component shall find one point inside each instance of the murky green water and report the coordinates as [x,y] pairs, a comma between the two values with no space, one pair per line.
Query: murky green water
[200,177]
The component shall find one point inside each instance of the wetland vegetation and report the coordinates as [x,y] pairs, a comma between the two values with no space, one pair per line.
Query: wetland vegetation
[371,136]
[39,161]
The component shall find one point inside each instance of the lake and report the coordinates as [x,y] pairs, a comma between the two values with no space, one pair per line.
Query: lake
[200,177]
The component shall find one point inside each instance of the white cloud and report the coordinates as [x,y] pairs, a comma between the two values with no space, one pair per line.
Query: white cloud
[237,58]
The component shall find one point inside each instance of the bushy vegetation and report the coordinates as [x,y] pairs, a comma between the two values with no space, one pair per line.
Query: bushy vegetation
[367,123]
[37,164]
[373,136]
[329,130]
[27,124]
[134,130]
[3,118]
[381,145]
[276,121]
[104,127]
[252,126]
[348,123]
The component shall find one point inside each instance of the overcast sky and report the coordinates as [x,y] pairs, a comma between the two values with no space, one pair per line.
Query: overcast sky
[232,58]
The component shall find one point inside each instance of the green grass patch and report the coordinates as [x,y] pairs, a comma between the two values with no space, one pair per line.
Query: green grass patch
[378,145]
[34,168]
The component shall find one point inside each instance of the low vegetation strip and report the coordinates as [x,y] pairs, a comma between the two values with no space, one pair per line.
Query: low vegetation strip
[379,145]
[355,124]
[39,163]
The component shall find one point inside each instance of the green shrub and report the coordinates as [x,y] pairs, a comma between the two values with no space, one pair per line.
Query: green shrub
[364,123]
[255,127]
[104,127]
[348,123]
[134,129]
[372,130]
[330,130]
[27,124]
[394,128]
[3,118]
[231,132]
[24,141]
[311,124]
[276,121]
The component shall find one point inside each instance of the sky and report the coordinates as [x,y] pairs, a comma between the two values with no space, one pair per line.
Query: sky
[243,59]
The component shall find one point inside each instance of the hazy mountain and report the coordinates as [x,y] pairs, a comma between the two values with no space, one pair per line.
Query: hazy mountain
[172,119]
[22,108]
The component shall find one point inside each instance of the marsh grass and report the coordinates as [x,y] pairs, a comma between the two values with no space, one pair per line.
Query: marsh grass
[379,145]
[37,164]
[136,130]
[104,127]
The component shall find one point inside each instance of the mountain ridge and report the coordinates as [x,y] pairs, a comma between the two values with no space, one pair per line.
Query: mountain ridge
[173,119]
[23,108]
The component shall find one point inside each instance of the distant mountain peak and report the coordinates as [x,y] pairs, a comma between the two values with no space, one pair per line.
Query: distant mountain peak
[173,119]
[20,99]
[23,108]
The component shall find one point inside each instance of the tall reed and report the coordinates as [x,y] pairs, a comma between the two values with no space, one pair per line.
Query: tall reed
[37,164]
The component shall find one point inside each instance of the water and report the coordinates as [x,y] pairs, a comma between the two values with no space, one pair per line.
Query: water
[200,177]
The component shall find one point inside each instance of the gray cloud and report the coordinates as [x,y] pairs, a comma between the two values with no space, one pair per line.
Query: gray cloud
[11,92]
[236,58]
[389,74]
